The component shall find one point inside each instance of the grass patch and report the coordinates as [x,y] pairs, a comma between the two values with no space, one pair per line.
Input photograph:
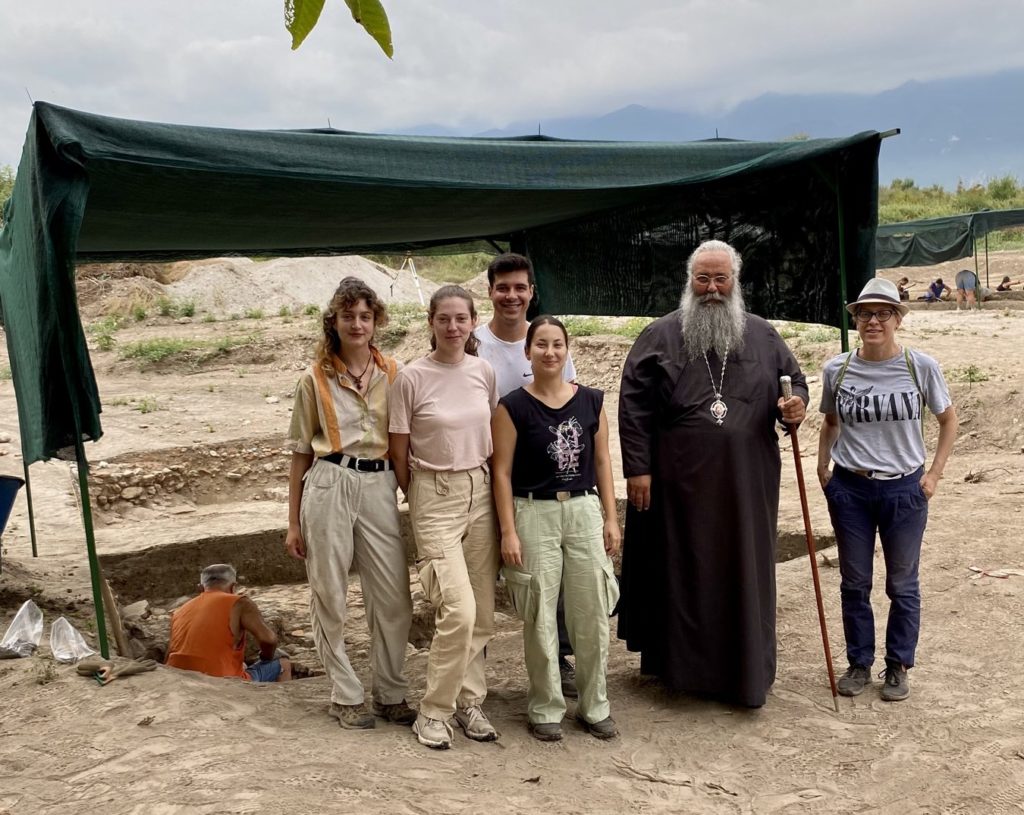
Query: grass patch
[103,332]
[254,314]
[820,333]
[969,374]
[156,350]
[147,404]
[310,310]
[633,327]
[585,326]
[284,311]
[187,308]
[196,352]
[138,313]
[209,318]
[5,373]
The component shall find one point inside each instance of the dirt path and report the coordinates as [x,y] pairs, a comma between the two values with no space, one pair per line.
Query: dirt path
[214,746]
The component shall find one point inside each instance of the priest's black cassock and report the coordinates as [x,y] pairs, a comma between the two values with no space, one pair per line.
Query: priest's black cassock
[698,568]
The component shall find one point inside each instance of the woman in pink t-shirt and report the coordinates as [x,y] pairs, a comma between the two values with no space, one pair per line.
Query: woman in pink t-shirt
[440,444]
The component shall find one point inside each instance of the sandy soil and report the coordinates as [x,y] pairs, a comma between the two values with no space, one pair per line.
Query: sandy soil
[171,742]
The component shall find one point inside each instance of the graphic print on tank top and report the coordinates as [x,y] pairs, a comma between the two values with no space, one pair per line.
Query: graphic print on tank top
[567,447]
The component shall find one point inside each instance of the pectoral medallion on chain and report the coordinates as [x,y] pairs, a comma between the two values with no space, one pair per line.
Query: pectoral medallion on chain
[718,408]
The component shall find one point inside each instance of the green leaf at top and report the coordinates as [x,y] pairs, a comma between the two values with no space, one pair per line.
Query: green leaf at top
[300,17]
[370,15]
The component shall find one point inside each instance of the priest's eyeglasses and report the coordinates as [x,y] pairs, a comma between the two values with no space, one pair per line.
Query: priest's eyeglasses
[719,280]
[882,315]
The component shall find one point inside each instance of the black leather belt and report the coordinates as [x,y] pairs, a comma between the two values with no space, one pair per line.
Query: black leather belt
[558,495]
[362,465]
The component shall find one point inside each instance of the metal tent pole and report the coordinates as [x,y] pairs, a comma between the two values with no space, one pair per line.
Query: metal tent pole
[90,545]
[31,512]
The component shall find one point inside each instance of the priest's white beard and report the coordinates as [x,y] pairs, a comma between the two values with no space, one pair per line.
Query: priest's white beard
[708,325]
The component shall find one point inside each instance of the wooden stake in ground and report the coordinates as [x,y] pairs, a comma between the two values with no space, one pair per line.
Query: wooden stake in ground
[787,391]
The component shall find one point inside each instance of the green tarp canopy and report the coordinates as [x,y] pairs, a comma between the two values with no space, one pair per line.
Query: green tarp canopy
[936,240]
[608,224]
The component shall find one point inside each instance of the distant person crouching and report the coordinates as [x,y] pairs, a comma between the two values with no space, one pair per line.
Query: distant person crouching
[936,291]
[208,632]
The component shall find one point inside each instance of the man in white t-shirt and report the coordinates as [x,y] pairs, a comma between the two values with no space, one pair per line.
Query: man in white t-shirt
[511,287]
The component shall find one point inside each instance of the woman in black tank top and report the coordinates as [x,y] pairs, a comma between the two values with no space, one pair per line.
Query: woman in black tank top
[550,452]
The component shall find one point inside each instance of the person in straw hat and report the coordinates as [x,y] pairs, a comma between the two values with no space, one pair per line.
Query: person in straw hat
[873,400]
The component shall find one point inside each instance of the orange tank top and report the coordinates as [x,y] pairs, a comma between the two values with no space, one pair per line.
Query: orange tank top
[201,638]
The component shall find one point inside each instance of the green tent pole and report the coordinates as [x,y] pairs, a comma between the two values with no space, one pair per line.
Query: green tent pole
[90,545]
[31,513]
[844,327]
[986,261]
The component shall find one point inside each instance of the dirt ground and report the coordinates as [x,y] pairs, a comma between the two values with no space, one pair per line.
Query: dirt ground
[200,439]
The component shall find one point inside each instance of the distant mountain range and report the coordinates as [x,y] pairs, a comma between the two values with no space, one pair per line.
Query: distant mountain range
[968,129]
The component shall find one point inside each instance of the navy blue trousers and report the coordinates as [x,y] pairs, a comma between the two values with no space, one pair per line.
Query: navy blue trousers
[897,511]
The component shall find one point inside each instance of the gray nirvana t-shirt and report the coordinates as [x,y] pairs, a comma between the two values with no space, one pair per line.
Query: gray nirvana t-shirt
[879,409]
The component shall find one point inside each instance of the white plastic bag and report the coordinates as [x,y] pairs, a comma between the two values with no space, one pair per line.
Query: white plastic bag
[66,644]
[24,632]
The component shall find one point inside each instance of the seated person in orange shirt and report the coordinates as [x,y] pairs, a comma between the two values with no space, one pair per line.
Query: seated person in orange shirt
[208,632]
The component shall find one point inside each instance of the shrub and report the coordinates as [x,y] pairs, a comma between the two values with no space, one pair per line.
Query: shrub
[187,309]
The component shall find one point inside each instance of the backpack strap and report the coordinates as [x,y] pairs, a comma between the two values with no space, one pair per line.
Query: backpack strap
[917,384]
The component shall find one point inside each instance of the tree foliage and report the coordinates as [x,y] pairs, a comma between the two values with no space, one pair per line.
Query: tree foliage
[301,17]
[903,200]
[6,187]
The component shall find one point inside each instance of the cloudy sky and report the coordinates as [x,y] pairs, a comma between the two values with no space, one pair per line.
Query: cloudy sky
[475,65]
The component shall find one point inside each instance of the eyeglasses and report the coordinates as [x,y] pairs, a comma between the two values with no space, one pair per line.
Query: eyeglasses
[719,280]
[882,315]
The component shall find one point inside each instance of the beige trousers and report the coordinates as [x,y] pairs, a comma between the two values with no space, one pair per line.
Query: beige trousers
[350,518]
[453,520]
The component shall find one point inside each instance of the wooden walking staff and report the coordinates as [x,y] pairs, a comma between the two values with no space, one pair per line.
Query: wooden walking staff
[787,391]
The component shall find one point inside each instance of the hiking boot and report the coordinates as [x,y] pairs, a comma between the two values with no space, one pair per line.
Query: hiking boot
[352,717]
[398,713]
[475,724]
[895,687]
[604,729]
[545,731]
[432,732]
[853,681]
[568,675]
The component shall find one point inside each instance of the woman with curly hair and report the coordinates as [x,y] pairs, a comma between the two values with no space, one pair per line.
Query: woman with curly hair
[342,508]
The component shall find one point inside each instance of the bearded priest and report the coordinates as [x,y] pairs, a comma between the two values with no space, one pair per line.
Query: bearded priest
[699,413]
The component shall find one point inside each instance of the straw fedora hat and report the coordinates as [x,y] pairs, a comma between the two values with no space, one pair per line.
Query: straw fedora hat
[880,292]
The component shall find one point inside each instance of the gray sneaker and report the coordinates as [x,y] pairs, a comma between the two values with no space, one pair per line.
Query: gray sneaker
[895,687]
[352,717]
[432,732]
[476,725]
[853,682]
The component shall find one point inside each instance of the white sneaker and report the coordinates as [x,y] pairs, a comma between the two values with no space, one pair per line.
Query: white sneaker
[432,732]
[476,725]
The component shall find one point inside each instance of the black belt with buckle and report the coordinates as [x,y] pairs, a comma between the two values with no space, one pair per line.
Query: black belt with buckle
[361,465]
[557,495]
